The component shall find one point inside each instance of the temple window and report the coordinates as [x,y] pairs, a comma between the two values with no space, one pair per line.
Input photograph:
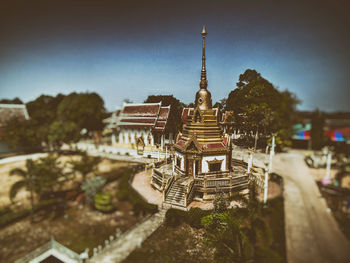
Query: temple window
[178,162]
[214,165]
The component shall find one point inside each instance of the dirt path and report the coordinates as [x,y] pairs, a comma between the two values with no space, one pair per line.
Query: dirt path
[312,234]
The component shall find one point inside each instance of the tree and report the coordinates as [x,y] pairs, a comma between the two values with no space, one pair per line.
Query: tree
[86,110]
[39,177]
[13,101]
[43,112]
[317,125]
[63,132]
[92,186]
[176,107]
[260,107]
[236,234]
[21,134]
[87,164]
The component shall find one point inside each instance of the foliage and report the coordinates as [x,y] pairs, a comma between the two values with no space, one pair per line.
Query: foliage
[63,132]
[41,176]
[12,216]
[86,110]
[103,202]
[56,120]
[236,233]
[87,164]
[176,107]
[317,135]
[13,101]
[92,186]
[175,217]
[127,193]
[21,134]
[258,105]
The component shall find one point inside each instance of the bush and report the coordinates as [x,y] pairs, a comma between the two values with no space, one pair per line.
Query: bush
[175,217]
[10,216]
[92,186]
[103,202]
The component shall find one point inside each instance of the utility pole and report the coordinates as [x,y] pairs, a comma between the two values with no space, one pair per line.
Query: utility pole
[327,179]
[268,169]
[256,138]
[266,184]
[31,199]
[272,153]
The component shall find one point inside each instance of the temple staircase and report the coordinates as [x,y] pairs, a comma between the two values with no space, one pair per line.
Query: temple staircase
[176,194]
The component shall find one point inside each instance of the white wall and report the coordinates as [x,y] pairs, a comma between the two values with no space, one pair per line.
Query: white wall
[205,167]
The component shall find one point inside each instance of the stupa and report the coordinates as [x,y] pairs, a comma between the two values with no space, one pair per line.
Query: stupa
[202,154]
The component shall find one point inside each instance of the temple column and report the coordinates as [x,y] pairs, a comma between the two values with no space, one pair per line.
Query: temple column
[162,141]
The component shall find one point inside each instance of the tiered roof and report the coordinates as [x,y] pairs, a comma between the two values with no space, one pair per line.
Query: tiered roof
[204,130]
[152,116]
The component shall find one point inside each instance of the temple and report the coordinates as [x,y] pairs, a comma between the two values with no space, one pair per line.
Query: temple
[142,127]
[202,159]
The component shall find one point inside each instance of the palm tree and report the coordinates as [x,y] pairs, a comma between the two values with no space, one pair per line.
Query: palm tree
[27,182]
[40,176]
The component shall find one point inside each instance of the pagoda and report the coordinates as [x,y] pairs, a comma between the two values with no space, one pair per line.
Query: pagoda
[202,159]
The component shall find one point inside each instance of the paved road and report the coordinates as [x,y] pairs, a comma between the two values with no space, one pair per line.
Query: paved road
[121,248]
[312,234]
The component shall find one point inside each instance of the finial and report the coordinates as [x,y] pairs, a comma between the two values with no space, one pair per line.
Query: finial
[203,83]
[204,32]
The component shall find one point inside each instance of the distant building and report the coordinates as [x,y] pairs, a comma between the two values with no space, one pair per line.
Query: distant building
[11,111]
[8,112]
[337,130]
[140,126]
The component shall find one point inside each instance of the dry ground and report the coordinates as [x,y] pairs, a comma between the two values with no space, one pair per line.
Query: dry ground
[77,227]
[22,198]
[168,244]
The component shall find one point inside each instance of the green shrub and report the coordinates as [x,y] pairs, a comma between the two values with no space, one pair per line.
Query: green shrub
[103,202]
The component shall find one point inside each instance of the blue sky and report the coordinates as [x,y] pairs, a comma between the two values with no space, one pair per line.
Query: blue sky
[129,50]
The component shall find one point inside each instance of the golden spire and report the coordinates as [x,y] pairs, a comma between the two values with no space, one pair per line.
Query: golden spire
[203,96]
[203,83]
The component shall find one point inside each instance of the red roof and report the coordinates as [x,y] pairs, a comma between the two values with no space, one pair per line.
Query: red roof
[145,109]
[213,145]
[144,116]
[184,115]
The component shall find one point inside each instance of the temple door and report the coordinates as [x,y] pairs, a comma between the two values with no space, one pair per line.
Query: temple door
[189,167]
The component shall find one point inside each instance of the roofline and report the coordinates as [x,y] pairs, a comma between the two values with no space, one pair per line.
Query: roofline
[16,106]
[141,104]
